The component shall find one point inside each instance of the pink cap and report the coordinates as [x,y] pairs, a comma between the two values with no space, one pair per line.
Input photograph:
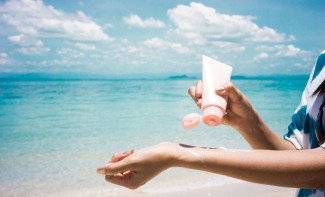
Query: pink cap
[191,120]
[212,115]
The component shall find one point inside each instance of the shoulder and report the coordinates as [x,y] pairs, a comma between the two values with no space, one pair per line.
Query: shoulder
[319,64]
[321,58]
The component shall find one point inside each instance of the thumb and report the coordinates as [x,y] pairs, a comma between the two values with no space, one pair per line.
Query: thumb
[114,168]
[231,91]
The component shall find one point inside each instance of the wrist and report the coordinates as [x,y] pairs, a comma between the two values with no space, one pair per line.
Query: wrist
[254,124]
[187,156]
[175,155]
[170,154]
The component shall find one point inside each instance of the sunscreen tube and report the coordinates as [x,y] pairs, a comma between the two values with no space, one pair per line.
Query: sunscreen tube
[214,74]
[213,107]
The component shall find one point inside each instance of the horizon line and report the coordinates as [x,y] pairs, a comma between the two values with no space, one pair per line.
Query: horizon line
[87,76]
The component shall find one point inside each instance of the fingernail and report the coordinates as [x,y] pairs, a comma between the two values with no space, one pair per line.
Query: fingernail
[220,88]
[101,171]
[108,177]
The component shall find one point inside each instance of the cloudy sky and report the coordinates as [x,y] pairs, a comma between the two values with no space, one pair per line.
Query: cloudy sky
[158,37]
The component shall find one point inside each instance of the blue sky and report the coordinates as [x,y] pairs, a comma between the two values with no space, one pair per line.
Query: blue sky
[160,37]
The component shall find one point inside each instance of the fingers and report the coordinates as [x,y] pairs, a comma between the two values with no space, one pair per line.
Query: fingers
[231,91]
[119,170]
[198,89]
[126,179]
[191,92]
[120,156]
[196,93]
[114,168]
[227,89]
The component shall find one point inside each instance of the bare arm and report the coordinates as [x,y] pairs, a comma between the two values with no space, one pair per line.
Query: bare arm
[242,116]
[292,168]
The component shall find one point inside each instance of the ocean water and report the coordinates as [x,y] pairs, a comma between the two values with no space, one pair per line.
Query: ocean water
[54,134]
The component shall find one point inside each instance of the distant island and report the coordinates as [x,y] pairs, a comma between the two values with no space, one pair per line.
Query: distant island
[181,77]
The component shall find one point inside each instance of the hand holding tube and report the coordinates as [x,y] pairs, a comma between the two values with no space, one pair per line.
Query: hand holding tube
[213,107]
[239,113]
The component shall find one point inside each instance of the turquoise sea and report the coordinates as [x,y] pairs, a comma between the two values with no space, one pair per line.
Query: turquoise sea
[55,133]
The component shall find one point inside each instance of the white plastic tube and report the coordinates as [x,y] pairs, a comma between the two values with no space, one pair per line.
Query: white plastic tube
[213,107]
[214,74]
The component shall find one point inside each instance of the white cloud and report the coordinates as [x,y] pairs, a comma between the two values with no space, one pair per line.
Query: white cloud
[201,24]
[135,20]
[4,59]
[122,48]
[24,40]
[108,26]
[69,53]
[228,47]
[154,43]
[129,49]
[33,50]
[288,51]
[285,58]
[193,29]
[85,47]
[292,38]
[162,44]
[264,48]
[260,56]
[34,18]
[29,45]
[283,50]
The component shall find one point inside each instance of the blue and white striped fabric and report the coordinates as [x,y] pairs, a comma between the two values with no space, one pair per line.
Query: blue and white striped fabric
[302,130]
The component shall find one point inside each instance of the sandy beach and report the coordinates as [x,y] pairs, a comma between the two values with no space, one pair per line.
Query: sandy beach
[243,189]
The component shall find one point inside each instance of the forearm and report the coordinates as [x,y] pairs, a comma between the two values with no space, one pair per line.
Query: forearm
[260,136]
[303,169]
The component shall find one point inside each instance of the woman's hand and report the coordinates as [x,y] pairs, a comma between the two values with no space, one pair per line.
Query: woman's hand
[240,114]
[134,168]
